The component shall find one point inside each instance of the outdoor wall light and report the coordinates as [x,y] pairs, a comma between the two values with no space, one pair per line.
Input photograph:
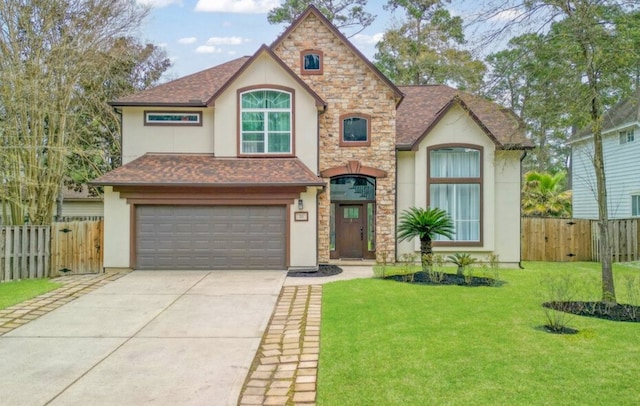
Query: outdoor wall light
[300,204]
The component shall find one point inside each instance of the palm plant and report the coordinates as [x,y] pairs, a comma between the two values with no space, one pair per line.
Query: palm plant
[425,224]
[543,195]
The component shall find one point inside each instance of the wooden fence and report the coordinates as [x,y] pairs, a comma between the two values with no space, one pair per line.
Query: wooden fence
[561,240]
[46,251]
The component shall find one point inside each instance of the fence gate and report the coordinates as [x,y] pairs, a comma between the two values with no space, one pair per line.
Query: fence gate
[558,240]
[76,247]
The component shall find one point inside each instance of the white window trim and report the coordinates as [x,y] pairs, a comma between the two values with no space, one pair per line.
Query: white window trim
[266,131]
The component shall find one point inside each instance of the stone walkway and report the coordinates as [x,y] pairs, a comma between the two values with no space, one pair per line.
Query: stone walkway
[285,368]
[73,286]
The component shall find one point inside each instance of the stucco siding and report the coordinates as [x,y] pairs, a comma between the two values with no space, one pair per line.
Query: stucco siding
[139,139]
[117,228]
[622,172]
[303,237]
[500,188]
[406,189]
[266,72]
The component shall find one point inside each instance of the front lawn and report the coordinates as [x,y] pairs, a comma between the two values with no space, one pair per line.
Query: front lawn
[18,291]
[391,343]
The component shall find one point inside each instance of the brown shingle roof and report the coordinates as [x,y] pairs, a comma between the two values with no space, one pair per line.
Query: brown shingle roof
[207,170]
[192,90]
[424,106]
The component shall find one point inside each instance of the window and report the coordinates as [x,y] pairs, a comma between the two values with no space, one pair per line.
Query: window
[355,130]
[266,122]
[627,136]
[311,62]
[176,118]
[635,205]
[455,185]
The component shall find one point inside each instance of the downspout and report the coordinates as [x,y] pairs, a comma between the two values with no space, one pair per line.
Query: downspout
[120,138]
[322,190]
[524,154]
[395,211]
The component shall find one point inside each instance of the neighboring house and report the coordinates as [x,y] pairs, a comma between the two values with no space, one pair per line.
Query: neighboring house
[75,205]
[81,203]
[301,154]
[621,149]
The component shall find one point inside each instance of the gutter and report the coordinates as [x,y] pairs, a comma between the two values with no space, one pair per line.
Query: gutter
[524,154]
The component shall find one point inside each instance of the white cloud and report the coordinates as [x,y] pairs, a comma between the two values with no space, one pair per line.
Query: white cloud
[227,41]
[159,3]
[368,39]
[208,49]
[162,45]
[237,6]
[187,40]
[507,15]
[227,24]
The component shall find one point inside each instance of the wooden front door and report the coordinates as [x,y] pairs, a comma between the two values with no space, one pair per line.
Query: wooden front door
[351,230]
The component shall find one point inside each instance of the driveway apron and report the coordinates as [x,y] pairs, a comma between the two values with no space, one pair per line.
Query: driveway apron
[150,337]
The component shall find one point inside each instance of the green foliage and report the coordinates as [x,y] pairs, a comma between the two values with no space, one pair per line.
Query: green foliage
[15,292]
[461,259]
[543,195]
[471,346]
[426,48]
[425,224]
[519,78]
[559,287]
[346,15]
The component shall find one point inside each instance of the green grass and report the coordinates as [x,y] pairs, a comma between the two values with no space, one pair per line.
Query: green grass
[391,343]
[18,291]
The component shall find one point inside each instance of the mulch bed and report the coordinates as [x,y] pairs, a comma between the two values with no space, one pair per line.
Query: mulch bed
[422,278]
[323,270]
[615,312]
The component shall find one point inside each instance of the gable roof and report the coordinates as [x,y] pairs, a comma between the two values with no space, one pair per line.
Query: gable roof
[202,88]
[424,106]
[626,112]
[311,9]
[190,91]
[208,170]
[266,50]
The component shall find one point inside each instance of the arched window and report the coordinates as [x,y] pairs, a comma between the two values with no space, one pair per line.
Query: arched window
[265,122]
[455,185]
[311,62]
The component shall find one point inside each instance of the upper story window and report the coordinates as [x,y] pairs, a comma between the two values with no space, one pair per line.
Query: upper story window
[627,136]
[355,130]
[311,62]
[455,185]
[175,118]
[266,122]
[635,205]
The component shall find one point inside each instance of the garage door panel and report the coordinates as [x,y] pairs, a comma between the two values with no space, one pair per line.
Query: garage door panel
[210,237]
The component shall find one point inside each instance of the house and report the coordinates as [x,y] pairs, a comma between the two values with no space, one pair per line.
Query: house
[301,154]
[81,203]
[621,148]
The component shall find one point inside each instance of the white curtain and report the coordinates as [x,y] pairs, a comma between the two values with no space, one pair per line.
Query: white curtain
[460,200]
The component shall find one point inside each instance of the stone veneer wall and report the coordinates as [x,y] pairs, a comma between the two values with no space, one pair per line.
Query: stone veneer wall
[348,86]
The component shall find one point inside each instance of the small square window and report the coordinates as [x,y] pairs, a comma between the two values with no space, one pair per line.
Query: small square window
[626,136]
[311,62]
[355,130]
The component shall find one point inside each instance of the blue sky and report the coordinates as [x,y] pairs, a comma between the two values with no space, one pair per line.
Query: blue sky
[199,34]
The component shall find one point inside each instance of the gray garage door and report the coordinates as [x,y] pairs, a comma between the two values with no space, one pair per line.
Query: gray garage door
[210,237]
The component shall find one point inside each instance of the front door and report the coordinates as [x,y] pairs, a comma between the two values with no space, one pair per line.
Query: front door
[351,223]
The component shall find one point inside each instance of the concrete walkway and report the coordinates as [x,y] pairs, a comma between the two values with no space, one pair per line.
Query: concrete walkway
[149,337]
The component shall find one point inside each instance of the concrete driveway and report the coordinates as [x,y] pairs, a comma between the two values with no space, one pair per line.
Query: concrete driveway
[150,337]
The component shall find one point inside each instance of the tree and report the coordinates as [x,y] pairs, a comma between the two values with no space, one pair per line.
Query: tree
[48,50]
[519,79]
[544,195]
[129,66]
[346,15]
[594,44]
[425,49]
[425,224]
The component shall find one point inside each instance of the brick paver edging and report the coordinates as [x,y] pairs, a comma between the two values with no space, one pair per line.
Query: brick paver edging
[73,286]
[285,368]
